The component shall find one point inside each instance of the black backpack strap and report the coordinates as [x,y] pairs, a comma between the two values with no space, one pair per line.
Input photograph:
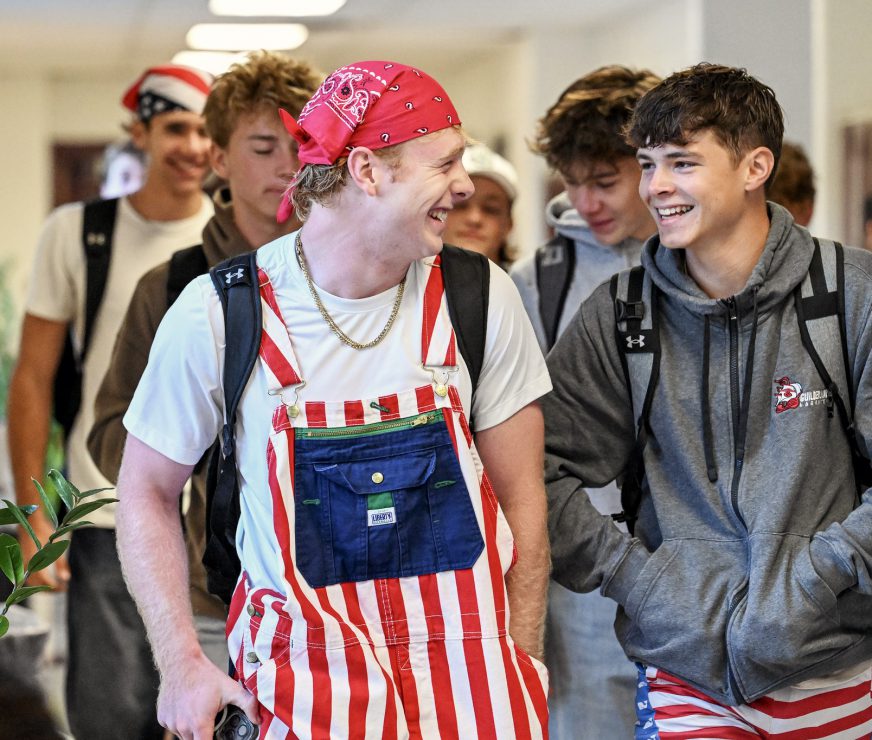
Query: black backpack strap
[555,267]
[819,301]
[236,282]
[466,277]
[98,226]
[638,338]
[185,265]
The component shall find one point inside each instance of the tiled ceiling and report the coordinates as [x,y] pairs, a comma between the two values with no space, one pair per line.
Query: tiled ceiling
[71,37]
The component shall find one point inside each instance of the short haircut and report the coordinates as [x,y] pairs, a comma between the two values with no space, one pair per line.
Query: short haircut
[737,108]
[587,122]
[794,178]
[320,183]
[266,81]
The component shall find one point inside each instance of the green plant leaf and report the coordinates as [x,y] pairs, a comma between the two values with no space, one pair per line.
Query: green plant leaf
[93,492]
[46,503]
[4,624]
[10,559]
[22,520]
[23,592]
[67,491]
[84,509]
[47,555]
[7,517]
[66,528]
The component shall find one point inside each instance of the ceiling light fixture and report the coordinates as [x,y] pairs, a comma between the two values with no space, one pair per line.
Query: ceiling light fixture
[214,62]
[278,8]
[245,36]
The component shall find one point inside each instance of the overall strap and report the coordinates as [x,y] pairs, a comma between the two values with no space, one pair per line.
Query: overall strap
[819,301]
[555,268]
[637,335]
[438,340]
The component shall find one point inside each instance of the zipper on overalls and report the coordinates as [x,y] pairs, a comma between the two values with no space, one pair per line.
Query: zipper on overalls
[365,430]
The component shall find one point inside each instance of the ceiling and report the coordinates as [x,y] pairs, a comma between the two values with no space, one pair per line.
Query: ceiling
[75,37]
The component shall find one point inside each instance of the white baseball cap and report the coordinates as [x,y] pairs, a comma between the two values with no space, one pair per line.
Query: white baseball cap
[481,161]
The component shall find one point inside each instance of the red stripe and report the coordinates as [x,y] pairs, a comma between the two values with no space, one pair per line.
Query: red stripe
[317,658]
[426,398]
[457,405]
[236,603]
[479,686]
[451,352]
[283,698]
[353,413]
[721,732]
[517,703]
[827,729]
[443,696]
[824,700]
[392,404]
[537,693]
[355,616]
[276,361]
[432,304]
[268,293]
[440,676]
[316,414]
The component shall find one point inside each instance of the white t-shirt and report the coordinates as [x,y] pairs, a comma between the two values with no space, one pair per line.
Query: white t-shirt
[178,406]
[57,289]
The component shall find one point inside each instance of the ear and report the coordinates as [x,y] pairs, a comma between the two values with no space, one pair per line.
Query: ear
[139,135]
[760,162]
[363,169]
[218,160]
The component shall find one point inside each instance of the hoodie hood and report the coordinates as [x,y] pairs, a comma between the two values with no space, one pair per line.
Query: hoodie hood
[221,238]
[566,221]
[782,266]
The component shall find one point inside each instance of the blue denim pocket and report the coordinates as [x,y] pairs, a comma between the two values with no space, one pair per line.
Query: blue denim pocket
[381,501]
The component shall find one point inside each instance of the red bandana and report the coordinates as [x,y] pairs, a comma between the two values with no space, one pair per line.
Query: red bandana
[371,104]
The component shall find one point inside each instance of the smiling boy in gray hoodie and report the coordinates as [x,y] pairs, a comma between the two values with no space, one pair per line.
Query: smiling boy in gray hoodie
[745,596]
[600,224]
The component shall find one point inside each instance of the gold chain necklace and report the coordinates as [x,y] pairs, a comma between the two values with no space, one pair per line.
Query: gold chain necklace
[343,337]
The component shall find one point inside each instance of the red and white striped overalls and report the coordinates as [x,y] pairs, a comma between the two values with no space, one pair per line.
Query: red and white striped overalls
[422,655]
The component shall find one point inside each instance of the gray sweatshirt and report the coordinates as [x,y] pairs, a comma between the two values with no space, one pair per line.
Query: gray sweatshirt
[594,262]
[762,578]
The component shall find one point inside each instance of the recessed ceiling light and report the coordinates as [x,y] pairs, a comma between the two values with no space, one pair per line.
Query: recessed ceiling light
[214,62]
[297,8]
[244,36]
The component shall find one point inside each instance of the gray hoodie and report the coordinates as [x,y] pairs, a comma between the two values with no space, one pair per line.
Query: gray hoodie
[762,578]
[594,262]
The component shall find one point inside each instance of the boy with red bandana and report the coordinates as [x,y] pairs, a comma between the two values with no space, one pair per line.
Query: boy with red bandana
[379,568]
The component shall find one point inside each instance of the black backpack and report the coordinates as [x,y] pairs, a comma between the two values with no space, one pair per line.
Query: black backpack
[466,277]
[819,301]
[98,227]
[555,268]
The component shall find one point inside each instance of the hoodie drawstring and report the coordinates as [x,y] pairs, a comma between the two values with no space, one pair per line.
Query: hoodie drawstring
[746,388]
[710,465]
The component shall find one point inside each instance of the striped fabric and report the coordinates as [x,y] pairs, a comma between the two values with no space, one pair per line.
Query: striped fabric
[426,656]
[669,709]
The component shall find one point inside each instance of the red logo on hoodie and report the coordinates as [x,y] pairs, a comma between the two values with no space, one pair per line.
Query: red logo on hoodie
[786,394]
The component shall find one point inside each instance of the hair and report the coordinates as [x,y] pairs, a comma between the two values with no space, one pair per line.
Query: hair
[587,122]
[265,81]
[737,108]
[794,179]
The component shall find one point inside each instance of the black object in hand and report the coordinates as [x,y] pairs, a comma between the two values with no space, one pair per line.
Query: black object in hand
[233,724]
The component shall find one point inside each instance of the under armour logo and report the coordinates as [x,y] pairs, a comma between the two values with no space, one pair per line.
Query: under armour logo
[635,342]
[95,239]
[230,277]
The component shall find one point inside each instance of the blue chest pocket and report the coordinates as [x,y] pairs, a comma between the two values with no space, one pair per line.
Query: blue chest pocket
[381,504]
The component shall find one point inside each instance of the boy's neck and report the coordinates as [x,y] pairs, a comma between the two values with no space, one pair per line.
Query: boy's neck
[153,203]
[722,268]
[258,230]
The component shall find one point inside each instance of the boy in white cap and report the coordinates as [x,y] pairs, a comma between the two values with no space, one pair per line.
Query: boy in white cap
[111,681]
[484,221]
